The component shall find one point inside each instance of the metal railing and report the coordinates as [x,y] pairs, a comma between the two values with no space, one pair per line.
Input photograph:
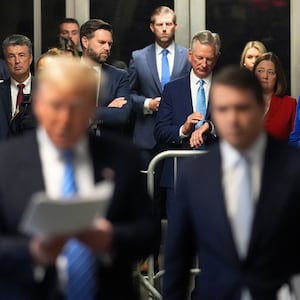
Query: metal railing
[149,281]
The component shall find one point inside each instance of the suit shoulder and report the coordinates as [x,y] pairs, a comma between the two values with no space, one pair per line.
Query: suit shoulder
[143,50]
[181,48]
[114,70]
[178,82]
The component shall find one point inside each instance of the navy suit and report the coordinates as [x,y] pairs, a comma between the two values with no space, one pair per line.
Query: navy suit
[176,105]
[199,225]
[6,112]
[135,232]
[145,83]
[114,83]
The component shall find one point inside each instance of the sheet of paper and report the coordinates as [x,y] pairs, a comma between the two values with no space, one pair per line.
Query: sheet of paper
[44,216]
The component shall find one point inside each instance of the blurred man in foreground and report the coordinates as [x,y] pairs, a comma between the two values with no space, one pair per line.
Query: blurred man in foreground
[62,160]
[237,207]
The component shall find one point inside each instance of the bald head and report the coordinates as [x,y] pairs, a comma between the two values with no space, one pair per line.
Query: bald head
[64,100]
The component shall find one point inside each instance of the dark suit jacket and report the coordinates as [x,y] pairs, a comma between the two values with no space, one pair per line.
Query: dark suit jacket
[5,108]
[114,83]
[135,234]
[198,224]
[145,83]
[176,105]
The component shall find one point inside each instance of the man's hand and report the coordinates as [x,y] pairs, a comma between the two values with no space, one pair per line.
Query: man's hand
[154,104]
[196,139]
[190,122]
[118,102]
[46,250]
[98,237]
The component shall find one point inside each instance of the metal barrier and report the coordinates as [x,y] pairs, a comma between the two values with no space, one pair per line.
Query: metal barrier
[149,281]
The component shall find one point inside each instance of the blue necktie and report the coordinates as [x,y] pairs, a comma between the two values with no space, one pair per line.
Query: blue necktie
[80,259]
[165,69]
[201,102]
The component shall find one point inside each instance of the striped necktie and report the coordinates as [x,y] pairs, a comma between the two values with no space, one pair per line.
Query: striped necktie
[80,259]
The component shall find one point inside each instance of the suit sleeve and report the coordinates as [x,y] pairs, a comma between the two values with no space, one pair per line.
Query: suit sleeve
[179,248]
[114,116]
[137,98]
[136,231]
[165,131]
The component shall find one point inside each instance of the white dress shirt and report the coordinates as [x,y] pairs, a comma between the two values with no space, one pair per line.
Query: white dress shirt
[158,55]
[194,83]
[230,156]
[14,91]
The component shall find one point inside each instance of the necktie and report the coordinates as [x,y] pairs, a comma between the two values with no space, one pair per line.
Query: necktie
[20,94]
[242,220]
[201,102]
[165,69]
[80,260]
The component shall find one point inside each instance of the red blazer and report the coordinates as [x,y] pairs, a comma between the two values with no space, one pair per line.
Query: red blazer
[279,120]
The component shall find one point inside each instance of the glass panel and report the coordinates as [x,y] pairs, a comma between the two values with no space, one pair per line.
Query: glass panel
[16,17]
[130,21]
[52,13]
[240,21]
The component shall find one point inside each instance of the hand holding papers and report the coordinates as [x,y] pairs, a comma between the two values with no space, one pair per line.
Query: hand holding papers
[44,216]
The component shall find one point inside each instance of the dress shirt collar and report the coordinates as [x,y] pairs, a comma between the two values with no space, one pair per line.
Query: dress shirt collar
[195,79]
[255,153]
[97,67]
[79,149]
[27,82]
[159,49]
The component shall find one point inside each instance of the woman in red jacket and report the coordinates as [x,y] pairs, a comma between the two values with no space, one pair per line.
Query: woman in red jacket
[280,108]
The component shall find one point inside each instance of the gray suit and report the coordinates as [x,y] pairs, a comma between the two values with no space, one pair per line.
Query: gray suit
[145,83]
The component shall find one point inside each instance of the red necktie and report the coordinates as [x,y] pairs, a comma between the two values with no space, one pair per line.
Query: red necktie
[20,94]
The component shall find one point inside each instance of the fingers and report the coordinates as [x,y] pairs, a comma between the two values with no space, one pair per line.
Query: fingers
[196,139]
[118,102]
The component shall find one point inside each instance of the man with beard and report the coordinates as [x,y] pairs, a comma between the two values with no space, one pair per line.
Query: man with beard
[113,102]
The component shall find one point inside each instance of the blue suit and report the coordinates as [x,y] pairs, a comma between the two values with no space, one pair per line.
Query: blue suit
[295,134]
[145,83]
[176,105]
[114,83]
[198,224]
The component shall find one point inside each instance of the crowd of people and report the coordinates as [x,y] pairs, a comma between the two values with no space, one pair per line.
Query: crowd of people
[64,130]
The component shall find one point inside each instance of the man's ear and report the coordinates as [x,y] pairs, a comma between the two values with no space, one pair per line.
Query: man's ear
[85,42]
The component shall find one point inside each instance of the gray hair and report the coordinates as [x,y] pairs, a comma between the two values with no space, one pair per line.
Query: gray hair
[17,40]
[207,37]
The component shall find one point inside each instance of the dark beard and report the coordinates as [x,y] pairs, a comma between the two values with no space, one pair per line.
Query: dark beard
[93,56]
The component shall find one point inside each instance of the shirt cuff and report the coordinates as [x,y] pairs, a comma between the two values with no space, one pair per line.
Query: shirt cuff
[181,134]
[147,110]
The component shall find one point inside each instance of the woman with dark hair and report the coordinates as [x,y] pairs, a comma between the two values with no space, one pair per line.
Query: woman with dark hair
[280,109]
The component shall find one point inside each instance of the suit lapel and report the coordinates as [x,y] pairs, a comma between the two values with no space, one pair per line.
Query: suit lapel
[271,199]
[151,61]
[215,206]
[179,62]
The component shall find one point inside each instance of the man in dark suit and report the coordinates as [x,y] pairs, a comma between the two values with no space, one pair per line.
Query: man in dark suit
[243,226]
[178,121]
[64,102]
[145,73]
[18,56]
[114,102]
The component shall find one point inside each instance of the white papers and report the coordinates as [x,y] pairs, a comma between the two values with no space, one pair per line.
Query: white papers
[44,216]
